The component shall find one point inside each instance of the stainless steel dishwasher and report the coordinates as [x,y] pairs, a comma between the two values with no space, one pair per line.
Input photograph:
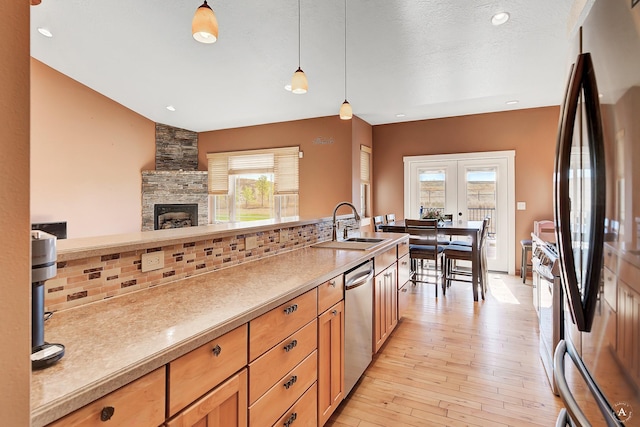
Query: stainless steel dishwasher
[358,323]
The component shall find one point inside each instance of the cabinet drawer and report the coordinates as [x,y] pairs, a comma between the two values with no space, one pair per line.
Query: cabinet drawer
[277,324]
[303,412]
[140,403]
[405,294]
[610,288]
[610,259]
[385,259]
[629,274]
[404,270]
[274,364]
[284,393]
[330,292]
[202,369]
[403,248]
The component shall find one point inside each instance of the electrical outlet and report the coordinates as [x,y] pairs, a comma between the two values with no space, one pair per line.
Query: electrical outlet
[250,242]
[152,261]
[284,236]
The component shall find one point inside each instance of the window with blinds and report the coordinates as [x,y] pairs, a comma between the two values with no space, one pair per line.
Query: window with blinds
[254,184]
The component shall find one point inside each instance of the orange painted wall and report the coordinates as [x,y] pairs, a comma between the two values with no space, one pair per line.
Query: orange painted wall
[325,169]
[15,258]
[531,133]
[87,154]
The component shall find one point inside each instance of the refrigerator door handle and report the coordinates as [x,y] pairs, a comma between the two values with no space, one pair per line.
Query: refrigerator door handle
[575,414]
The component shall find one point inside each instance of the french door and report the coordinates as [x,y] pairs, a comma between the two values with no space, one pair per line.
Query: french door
[469,187]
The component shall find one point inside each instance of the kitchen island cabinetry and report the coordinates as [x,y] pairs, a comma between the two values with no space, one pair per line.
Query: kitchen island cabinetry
[628,343]
[404,279]
[139,403]
[240,344]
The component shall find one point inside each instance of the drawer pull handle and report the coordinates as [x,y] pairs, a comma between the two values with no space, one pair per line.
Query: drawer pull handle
[291,309]
[333,283]
[334,312]
[290,346]
[291,382]
[291,419]
[403,290]
[107,413]
[217,350]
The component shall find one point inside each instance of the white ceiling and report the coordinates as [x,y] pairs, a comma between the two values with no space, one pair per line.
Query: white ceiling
[424,59]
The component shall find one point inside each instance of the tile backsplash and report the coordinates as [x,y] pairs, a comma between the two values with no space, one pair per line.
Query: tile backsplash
[86,280]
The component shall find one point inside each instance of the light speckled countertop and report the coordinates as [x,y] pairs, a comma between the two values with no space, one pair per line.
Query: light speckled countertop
[113,342]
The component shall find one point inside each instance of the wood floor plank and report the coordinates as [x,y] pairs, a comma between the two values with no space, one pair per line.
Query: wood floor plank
[455,362]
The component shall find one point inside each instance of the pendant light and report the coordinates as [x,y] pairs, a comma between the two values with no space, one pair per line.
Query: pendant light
[204,26]
[346,113]
[299,84]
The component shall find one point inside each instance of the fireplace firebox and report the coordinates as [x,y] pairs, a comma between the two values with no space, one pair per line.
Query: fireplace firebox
[177,215]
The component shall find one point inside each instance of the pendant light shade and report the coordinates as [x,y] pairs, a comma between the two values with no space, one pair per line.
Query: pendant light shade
[299,84]
[346,113]
[204,26]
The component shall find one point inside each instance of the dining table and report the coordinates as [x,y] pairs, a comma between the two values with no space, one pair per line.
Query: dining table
[471,229]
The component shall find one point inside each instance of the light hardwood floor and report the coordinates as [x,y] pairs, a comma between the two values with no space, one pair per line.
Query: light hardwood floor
[453,362]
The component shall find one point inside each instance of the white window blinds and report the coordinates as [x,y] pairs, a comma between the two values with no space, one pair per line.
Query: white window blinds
[365,164]
[282,162]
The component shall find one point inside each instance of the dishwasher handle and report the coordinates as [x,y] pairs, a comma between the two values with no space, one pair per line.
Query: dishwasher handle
[358,279]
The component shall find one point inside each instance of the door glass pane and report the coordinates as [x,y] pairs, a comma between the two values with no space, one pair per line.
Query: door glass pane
[481,201]
[432,188]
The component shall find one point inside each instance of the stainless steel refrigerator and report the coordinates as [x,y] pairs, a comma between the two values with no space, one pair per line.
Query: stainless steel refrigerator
[597,212]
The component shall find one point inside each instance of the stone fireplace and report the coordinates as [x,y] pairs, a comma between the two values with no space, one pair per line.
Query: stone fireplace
[176,180]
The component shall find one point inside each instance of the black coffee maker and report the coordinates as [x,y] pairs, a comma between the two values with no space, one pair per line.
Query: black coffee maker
[43,267]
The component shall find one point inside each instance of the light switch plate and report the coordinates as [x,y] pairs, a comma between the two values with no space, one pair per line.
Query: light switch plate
[250,242]
[521,206]
[152,261]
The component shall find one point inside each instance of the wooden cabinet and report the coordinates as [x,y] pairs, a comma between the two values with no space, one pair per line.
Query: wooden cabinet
[302,413]
[330,292]
[284,393]
[330,361]
[275,325]
[202,369]
[628,337]
[283,353]
[140,403]
[224,406]
[385,305]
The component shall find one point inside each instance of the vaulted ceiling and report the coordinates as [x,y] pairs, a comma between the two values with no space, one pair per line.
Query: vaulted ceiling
[417,58]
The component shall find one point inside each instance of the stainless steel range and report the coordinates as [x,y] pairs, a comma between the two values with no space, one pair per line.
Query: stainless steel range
[547,299]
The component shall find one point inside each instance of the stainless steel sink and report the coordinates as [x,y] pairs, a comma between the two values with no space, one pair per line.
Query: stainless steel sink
[353,244]
[364,240]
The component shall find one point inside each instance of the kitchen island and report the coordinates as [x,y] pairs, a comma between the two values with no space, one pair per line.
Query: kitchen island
[114,341]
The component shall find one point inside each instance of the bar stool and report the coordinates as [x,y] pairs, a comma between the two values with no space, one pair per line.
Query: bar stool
[525,265]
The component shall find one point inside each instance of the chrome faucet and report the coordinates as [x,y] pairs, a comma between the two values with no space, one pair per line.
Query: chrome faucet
[334,231]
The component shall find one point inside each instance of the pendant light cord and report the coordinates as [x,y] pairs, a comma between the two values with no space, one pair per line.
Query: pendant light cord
[298,34]
[345,50]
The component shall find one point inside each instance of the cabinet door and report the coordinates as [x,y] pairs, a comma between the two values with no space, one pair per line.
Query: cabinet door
[330,361]
[224,406]
[385,305]
[404,270]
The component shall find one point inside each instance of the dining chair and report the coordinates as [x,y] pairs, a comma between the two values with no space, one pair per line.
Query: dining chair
[390,218]
[378,221]
[454,253]
[423,245]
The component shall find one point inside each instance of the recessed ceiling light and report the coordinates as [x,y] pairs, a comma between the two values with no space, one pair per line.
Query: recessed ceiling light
[499,18]
[400,115]
[45,32]
[512,102]
[171,108]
